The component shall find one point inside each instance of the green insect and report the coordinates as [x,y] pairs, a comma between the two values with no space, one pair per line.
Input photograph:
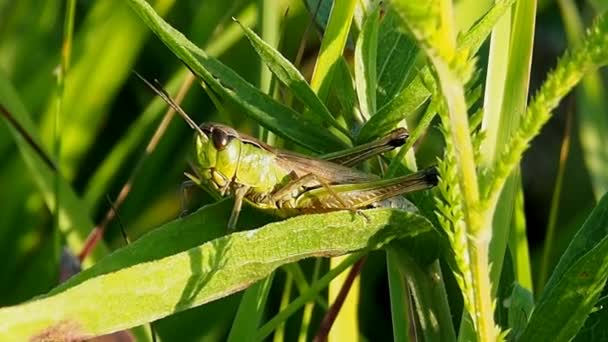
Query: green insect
[288,183]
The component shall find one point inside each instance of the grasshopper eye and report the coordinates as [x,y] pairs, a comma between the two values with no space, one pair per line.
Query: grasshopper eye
[220,138]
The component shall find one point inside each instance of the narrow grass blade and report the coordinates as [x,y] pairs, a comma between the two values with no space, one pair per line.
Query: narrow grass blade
[400,299]
[425,282]
[74,221]
[500,124]
[591,107]
[332,45]
[251,311]
[101,69]
[159,274]
[291,77]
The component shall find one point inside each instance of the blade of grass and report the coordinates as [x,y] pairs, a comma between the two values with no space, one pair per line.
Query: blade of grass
[554,209]
[315,288]
[591,107]
[521,260]
[309,307]
[347,327]
[66,54]
[251,311]
[110,63]
[425,282]
[74,220]
[501,125]
[332,45]
[279,334]
[291,77]
[400,302]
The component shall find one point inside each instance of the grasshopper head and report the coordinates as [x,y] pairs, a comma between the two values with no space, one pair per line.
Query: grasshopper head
[217,153]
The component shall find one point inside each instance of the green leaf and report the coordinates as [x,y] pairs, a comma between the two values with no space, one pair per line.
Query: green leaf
[365,63]
[521,305]
[396,56]
[595,325]
[415,94]
[291,77]
[250,311]
[575,284]
[278,118]
[166,271]
[425,283]
[344,91]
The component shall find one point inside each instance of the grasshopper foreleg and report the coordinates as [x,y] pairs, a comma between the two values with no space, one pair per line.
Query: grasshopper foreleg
[183,191]
[239,194]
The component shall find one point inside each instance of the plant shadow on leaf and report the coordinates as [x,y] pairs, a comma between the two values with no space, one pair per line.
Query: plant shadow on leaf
[203,267]
[206,224]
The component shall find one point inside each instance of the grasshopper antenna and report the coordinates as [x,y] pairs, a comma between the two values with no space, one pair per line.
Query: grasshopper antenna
[158,89]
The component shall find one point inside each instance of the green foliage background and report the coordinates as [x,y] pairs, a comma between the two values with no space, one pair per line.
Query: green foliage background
[108,116]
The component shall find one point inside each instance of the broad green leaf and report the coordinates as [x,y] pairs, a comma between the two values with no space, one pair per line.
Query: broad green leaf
[365,63]
[415,94]
[521,305]
[403,106]
[575,284]
[291,77]
[396,56]
[278,118]
[344,91]
[167,271]
[74,221]
[595,325]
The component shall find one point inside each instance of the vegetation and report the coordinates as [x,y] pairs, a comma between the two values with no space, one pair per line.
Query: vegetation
[85,142]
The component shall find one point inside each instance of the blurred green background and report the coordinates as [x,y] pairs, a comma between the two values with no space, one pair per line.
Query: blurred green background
[108,117]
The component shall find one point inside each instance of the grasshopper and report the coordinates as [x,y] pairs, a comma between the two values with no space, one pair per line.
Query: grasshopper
[235,164]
